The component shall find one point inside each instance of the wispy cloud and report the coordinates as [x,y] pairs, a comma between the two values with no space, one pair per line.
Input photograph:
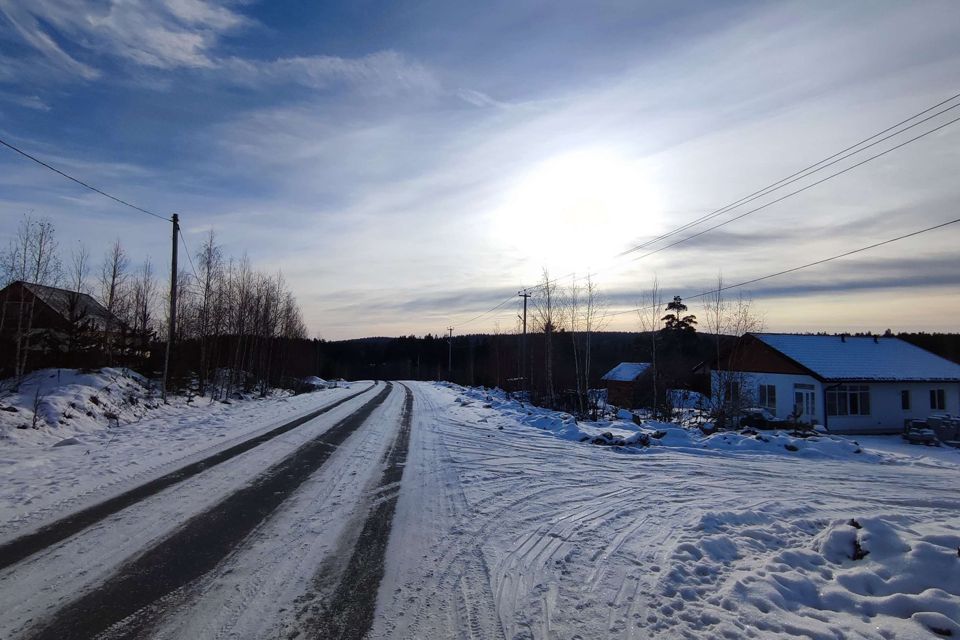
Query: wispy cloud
[164,34]
[28,101]
[379,73]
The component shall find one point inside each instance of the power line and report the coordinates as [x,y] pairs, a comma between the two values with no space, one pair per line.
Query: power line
[487,312]
[803,173]
[804,266]
[794,177]
[186,250]
[793,193]
[81,182]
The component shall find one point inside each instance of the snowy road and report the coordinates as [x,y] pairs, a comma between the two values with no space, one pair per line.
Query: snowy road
[412,511]
[137,571]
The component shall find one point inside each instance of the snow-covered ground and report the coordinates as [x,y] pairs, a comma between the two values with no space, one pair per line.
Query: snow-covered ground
[505,530]
[115,435]
[515,522]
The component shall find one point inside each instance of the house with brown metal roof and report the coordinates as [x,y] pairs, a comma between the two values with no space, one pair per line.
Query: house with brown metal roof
[848,384]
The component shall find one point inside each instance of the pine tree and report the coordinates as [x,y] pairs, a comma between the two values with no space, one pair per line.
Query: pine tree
[675,320]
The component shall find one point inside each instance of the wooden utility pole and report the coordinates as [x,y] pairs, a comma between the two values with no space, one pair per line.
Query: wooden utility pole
[172,324]
[523,345]
[450,354]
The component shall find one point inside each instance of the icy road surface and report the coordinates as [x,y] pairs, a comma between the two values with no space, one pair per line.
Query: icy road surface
[420,511]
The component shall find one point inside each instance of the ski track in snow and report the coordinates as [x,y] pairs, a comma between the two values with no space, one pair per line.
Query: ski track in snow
[503,530]
[515,533]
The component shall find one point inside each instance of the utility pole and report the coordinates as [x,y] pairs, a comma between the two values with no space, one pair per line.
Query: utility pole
[172,325]
[523,348]
[450,354]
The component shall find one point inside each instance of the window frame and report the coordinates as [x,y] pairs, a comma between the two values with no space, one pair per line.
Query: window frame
[767,397]
[938,399]
[848,400]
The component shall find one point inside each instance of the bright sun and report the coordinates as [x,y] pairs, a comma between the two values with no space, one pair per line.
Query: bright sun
[576,211]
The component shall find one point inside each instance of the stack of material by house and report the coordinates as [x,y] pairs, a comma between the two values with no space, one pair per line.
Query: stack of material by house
[947,429]
[918,432]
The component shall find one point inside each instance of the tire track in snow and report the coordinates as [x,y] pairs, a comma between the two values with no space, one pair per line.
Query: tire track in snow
[461,573]
[26,545]
[134,597]
[349,610]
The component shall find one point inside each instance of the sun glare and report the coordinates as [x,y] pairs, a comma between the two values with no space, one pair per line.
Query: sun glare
[576,211]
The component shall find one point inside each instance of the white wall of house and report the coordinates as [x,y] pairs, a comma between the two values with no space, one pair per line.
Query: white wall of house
[886,411]
[886,414]
[786,385]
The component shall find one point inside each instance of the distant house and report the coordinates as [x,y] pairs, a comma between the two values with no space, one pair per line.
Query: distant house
[25,306]
[623,382]
[861,384]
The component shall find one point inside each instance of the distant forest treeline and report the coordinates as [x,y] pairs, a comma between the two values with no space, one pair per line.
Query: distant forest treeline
[494,360]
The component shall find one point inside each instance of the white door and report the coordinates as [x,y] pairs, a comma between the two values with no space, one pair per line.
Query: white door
[804,403]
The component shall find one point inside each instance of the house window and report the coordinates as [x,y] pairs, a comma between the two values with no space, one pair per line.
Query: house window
[938,400]
[733,391]
[849,400]
[905,400]
[767,396]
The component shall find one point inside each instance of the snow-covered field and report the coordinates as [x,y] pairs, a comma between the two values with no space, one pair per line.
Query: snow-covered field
[510,531]
[513,523]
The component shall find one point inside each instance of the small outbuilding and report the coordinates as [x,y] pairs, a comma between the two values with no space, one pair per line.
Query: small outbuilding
[623,383]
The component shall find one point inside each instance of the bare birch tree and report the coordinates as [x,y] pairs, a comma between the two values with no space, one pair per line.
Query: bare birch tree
[77,285]
[648,311]
[143,298]
[595,318]
[728,321]
[572,301]
[30,257]
[545,319]
[210,260]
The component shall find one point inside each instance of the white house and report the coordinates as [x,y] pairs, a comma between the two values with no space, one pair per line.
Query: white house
[847,384]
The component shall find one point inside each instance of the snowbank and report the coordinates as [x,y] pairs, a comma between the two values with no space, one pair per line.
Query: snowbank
[56,404]
[651,436]
[51,405]
[876,576]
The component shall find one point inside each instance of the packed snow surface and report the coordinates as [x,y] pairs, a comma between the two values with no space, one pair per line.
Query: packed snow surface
[516,527]
[514,522]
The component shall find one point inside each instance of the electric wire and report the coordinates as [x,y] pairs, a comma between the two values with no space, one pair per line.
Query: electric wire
[793,193]
[803,266]
[487,312]
[794,177]
[809,170]
[186,250]
[826,162]
[81,182]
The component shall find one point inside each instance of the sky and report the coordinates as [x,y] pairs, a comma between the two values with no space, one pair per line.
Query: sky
[408,166]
